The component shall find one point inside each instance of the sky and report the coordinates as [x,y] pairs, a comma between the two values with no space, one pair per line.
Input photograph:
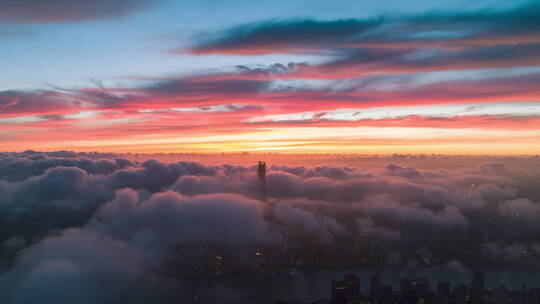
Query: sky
[369,77]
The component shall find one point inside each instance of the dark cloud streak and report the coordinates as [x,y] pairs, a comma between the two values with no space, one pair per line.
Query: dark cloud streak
[67,11]
[433,28]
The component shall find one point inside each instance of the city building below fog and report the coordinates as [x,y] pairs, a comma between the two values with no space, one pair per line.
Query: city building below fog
[422,291]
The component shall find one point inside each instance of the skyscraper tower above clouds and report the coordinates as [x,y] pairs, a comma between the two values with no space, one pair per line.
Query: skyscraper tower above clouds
[261,176]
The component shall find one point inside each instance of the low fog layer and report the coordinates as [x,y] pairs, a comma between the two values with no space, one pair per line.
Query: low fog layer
[103,226]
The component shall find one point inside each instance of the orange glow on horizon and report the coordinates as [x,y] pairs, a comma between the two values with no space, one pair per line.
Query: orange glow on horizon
[340,140]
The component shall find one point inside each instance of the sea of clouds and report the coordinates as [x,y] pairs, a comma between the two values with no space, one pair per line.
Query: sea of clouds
[88,228]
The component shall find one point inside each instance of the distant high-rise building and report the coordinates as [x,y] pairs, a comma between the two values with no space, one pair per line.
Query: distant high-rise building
[386,295]
[346,291]
[443,292]
[415,291]
[261,171]
[478,287]
[503,296]
[339,292]
[375,288]
[460,293]
[353,286]
[261,176]
[443,288]
[219,266]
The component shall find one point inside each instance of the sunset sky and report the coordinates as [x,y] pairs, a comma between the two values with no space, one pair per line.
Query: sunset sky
[295,76]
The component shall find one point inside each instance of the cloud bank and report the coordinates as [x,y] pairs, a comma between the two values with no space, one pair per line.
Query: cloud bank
[103,225]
